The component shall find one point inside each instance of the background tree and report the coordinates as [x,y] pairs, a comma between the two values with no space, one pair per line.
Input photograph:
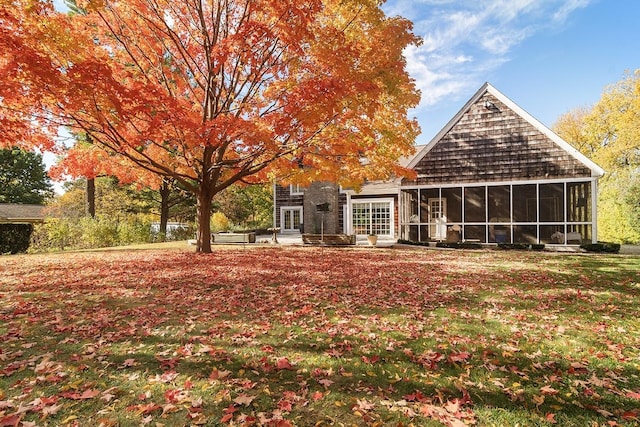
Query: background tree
[608,133]
[210,93]
[247,206]
[23,178]
[125,214]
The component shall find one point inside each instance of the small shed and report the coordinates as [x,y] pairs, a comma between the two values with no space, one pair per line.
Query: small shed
[16,213]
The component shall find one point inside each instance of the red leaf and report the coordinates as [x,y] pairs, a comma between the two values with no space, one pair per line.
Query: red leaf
[459,357]
[285,406]
[144,409]
[10,420]
[283,363]
[228,414]
[633,395]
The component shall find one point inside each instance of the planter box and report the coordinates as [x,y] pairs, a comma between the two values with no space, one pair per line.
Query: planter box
[328,239]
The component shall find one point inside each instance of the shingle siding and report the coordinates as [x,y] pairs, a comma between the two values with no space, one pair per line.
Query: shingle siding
[495,145]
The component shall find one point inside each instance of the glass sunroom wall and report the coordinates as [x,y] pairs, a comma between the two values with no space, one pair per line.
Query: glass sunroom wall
[579,210]
[453,196]
[475,206]
[425,195]
[525,209]
[409,215]
[475,233]
[525,213]
[427,224]
[525,234]
[552,213]
[579,202]
[475,211]
[499,210]
[453,201]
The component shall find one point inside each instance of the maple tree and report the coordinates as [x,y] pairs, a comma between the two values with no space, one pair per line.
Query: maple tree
[214,92]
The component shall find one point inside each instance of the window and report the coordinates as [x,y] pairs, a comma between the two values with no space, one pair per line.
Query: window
[372,217]
[474,204]
[295,190]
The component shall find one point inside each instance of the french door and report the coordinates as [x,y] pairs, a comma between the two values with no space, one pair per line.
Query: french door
[438,218]
[290,219]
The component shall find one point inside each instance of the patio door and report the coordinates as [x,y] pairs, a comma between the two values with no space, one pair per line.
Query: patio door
[438,218]
[290,219]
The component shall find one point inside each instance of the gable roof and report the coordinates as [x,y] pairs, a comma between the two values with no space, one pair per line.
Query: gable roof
[19,213]
[596,171]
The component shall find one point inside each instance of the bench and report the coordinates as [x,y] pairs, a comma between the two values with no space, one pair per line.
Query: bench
[329,239]
[233,238]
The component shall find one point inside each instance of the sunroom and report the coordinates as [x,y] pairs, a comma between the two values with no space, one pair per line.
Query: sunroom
[494,174]
[550,212]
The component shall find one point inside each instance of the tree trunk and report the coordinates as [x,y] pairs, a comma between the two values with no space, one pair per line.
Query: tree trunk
[203,236]
[91,197]
[165,192]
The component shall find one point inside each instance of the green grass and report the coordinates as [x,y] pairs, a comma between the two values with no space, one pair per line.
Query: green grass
[159,335]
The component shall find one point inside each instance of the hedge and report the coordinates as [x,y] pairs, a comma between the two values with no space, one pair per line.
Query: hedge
[606,247]
[15,238]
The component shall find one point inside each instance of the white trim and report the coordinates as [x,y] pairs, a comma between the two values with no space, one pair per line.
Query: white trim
[594,210]
[497,183]
[290,208]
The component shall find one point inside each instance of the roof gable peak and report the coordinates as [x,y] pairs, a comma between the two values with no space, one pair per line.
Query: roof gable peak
[488,88]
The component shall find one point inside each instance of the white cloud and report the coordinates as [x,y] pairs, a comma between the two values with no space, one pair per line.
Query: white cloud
[567,8]
[465,40]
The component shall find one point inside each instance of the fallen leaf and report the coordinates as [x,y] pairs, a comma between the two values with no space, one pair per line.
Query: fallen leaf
[244,399]
[283,363]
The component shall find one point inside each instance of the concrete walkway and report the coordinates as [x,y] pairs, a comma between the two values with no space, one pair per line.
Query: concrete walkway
[296,239]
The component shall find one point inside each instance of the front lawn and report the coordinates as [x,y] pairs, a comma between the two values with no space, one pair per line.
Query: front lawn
[318,337]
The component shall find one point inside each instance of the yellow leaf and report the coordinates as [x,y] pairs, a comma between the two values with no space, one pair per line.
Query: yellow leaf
[538,400]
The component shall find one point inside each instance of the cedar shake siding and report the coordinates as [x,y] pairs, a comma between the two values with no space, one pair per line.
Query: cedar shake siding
[284,198]
[495,144]
[494,175]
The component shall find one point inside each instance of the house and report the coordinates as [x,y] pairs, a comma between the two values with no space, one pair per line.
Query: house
[493,174]
[15,213]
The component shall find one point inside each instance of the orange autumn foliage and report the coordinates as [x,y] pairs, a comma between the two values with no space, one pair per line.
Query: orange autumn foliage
[213,92]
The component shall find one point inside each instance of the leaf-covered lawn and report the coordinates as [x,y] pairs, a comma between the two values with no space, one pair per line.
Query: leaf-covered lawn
[313,337]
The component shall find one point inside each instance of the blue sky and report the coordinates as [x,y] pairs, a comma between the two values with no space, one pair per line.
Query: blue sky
[548,56]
